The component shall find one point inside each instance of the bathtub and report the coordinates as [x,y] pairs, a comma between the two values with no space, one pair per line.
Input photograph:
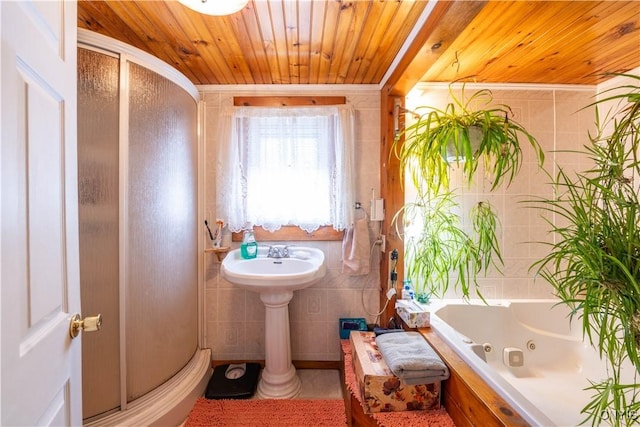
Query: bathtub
[548,388]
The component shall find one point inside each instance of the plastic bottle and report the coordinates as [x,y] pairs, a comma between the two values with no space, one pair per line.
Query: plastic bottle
[248,247]
[407,292]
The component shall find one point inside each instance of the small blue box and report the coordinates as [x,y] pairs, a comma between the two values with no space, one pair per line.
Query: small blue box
[348,324]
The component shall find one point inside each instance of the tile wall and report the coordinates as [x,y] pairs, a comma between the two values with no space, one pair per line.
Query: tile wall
[234,318]
[556,117]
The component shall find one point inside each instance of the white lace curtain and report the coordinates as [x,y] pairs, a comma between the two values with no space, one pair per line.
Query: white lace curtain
[286,166]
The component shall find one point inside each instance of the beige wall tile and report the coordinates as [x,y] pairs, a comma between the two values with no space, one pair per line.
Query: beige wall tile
[310,306]
[555,118]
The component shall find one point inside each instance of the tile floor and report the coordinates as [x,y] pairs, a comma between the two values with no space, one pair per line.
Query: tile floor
[320,384]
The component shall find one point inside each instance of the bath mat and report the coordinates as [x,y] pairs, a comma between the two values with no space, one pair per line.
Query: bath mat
[267,413]
[430,418]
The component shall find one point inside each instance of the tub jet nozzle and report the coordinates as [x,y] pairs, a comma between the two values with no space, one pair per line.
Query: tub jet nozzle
[513,357]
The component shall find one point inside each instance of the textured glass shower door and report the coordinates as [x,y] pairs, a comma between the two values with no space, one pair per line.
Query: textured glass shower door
[138,229]
[98,182]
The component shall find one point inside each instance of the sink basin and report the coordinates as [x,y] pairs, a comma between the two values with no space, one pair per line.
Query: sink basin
[276,279]
[301,269]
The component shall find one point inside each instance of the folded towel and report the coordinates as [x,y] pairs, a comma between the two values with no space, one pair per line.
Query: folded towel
[424,380]
[355,249]
[411,358]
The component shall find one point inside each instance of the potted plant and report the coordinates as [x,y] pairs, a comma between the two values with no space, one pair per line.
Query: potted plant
[594,263]
[464,135]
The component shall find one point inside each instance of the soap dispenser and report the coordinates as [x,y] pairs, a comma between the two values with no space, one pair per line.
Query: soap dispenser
[248,247]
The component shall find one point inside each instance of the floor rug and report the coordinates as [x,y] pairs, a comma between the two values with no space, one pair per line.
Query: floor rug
[267,413]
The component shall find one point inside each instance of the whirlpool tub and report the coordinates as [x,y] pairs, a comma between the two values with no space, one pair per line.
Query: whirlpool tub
[528,352]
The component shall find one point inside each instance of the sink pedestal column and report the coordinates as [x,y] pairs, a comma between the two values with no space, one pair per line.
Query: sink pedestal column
[279,379]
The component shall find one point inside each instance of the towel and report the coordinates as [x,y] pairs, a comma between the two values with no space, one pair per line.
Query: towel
[423,380]
[411,358]
[355,249]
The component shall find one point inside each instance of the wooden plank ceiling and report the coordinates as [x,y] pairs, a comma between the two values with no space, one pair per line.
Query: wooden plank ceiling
[544,42]
[268,42]
[356,42]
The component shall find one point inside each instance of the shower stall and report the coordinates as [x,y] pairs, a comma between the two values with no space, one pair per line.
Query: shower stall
[140,254]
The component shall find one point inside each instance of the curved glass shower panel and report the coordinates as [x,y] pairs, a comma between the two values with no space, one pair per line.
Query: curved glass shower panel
[161,249]
[98,104]
[138,229]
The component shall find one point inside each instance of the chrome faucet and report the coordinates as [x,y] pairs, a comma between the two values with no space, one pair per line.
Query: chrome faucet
[278,251]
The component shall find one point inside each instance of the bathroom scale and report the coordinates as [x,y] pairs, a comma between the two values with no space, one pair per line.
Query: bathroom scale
[233,381]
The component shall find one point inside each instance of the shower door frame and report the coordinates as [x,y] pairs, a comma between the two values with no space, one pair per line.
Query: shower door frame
[130,55]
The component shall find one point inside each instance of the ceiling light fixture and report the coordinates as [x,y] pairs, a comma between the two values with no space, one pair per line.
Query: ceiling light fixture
[215,7]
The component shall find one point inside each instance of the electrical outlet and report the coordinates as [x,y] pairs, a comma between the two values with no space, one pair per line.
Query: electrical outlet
[383,244]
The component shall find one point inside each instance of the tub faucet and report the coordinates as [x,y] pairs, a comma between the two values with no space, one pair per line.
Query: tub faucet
[278,251]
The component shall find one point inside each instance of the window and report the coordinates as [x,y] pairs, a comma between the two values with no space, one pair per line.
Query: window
[286,166]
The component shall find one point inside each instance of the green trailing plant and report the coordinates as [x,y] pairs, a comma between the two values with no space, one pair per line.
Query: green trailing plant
[440,245]
[594,262]
[467,132]
[465,136]
[485,223]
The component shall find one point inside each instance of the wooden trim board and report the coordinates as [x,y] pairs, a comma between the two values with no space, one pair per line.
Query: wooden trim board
[292,233]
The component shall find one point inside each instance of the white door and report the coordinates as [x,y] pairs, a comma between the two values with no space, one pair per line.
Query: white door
[41,366]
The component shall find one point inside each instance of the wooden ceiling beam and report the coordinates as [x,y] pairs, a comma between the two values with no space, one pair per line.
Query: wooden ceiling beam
[446,21]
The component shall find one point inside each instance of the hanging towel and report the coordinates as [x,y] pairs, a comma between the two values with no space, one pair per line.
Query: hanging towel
[355,249]
[411,358]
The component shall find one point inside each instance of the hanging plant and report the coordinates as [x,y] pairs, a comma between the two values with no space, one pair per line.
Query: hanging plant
[594,264]
[467,137]
[440,245]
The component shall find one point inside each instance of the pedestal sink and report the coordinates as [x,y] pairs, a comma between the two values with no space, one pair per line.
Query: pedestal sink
[276,279]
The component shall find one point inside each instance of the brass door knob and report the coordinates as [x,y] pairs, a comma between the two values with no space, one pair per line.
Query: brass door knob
[88,324]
